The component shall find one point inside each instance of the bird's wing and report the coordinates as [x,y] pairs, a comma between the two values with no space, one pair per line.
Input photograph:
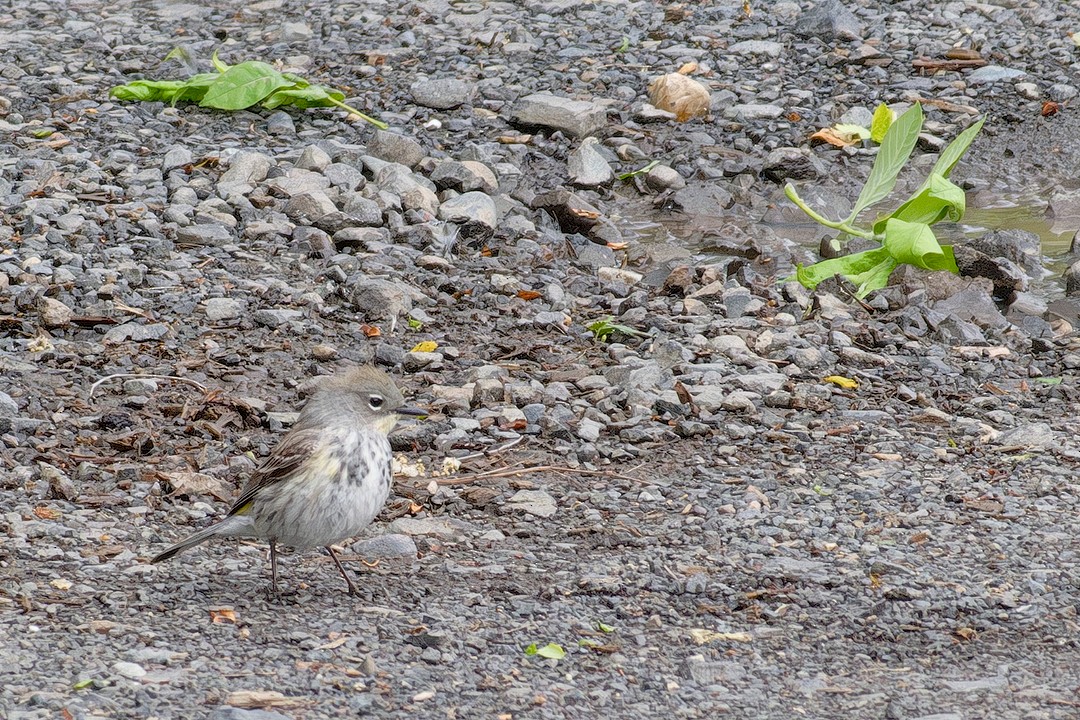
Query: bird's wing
[293,450]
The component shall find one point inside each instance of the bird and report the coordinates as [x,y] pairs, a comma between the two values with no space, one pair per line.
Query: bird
[328,477]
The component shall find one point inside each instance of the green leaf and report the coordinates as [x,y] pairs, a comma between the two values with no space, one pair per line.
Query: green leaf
[81,684]
[302,97]
[180,54]
[639,171]
[195,88]
[884,116]
[956,149]
[604,628]
[892,155]
[916,244]
[147,90]
[552,651]
[848,265]
[414,324]
[218,64]
[243,85]
[936,200]
[850,130]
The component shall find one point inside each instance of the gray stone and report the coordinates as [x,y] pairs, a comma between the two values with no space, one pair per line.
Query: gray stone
[296,32]
[413,191]
[534,502]
[275,317]
[8,407]
[1031,435]
[576,118]
[474,213]
[313,158]
[464,176]
[200,235]
[227,712]
[442,93]
[762,383]
[663,178]
[829,19]
[788,163]
[993,73]
[176,157]
[223,309]
[380,299]
[344,176]
[54,314]
[395,148]
[757,47]
[246,166]
[390,546]
[587,167]
[309,207]
[747,112]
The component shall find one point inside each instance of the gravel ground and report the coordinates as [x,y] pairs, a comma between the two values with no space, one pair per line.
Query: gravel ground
[706,524]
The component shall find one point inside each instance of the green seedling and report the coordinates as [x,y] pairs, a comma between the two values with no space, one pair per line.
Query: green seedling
[905,234]
[552,651]
[601,329]
[639,171]
[237,87]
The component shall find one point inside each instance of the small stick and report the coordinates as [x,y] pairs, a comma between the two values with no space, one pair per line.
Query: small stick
[188,381]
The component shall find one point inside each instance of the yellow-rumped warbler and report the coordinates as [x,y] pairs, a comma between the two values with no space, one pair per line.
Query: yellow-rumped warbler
[327,478]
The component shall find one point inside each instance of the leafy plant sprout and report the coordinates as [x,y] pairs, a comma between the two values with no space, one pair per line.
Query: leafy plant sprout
[905,234]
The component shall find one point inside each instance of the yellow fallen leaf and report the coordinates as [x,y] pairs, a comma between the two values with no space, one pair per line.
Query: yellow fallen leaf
[841,381]
[222,615]
[426,346]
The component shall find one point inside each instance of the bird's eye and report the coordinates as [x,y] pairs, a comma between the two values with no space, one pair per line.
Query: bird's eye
[375,402]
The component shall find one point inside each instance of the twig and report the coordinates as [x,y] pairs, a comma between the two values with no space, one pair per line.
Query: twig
[491,451]
[188,381]
[466,479]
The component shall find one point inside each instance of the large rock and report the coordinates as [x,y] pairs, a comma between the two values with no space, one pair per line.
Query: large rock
[574,117]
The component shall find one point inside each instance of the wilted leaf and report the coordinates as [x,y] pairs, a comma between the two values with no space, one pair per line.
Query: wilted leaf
[528,294]
[222,615]
[830,136]
[185,482]
[678,94]
[841,381]
[263,699]
[425,346]
[702,636]
[370,331]
[47,513]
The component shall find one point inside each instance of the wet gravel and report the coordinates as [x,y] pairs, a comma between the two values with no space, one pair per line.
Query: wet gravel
[762,502]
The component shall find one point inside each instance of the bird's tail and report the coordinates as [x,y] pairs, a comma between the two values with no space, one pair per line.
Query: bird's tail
[232,526]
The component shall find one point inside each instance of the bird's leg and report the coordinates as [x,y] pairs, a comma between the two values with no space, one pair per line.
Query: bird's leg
[273,569]
[348,580]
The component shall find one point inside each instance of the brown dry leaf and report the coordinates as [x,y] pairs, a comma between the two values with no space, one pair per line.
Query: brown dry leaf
[222,615]
[588,214]
[528,294]
[618,245]
[334,643]
[185,482]
[514,139]
[965,633]
[263,699]
[829,135]
[1050,108]
[794,117]
[962,54]
[678,94]
[986,505]
[919,538]
[370,331]
[688,68]
[46,513]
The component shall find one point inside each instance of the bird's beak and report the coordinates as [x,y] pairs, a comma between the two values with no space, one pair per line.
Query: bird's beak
[408,411]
